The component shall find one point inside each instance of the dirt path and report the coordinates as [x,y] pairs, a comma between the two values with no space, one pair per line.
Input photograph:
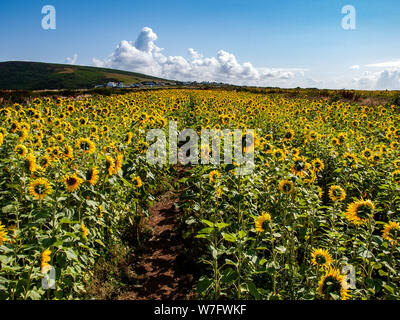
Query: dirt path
[162,269]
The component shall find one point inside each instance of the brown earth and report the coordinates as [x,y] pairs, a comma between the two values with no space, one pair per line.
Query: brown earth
[163,270]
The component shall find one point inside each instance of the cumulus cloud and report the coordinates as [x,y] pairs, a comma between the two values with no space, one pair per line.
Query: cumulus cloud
[387,64]
[379,80]
[71,60]
[355,67]
[144,56]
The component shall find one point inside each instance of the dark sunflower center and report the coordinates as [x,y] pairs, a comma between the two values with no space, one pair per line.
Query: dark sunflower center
[264,225]
[337,192]
[331,285]
[89,175]
[320,259]
[364,211]
[85,145]
[299,165]
[40,189]
[287,187]
[71,181]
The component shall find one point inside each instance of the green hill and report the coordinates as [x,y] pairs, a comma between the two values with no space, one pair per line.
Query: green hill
[20,75]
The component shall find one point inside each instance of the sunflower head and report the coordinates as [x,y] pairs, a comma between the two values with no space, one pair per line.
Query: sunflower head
[72,182]
[85,145]
[300,166]
[318,165]
[333,286]
[337,193]
[40,188]
[3,234]
[214,175]
[137,182]
[262,221]
[92,176]
[321,258]
[391,232]
[359,212]
[286,186]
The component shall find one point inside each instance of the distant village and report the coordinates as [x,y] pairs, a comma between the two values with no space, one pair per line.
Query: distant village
[151,84]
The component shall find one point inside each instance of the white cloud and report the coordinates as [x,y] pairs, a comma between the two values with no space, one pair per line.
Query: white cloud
[144,56]
[387,64]
[380,80]
[72,60]
[355,67]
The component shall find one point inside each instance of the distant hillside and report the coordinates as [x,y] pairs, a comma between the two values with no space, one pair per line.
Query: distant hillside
[20,75]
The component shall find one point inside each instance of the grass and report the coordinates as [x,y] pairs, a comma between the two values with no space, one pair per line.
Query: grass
[18,75]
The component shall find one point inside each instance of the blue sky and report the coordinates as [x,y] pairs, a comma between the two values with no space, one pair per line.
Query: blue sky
[286,42]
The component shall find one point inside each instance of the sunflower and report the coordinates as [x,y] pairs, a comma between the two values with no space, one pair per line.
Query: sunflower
[312,136]
[68,152]
[350,160]
[300,166]
[337,193]
[128,138]
[214,175]
[396,176]
[334,142]
[321,258]
[286,186]
[72,182]
[310,176]
[341,138]
[391,232]
[279,154]
[359,212]
[376,157]
[118,163]
[83,121]
[333,285]
[60,137]
[92,175]
[367,153]
[21,150]
[40,188]
[288,136]
[261,221]
[320,192]
[100,211]
[45,161]
[110,165]
[14,126]
[30,162]
[137,182]
[248,142]
[45,259]
[86,145]
[22,134]
[84,230]
[3,234]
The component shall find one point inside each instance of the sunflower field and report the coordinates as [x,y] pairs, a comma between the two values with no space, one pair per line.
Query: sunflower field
[318,218]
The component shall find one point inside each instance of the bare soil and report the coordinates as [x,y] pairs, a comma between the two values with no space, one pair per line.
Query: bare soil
[163,269]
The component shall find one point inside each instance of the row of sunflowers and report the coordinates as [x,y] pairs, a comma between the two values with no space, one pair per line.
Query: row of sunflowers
[318,218]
